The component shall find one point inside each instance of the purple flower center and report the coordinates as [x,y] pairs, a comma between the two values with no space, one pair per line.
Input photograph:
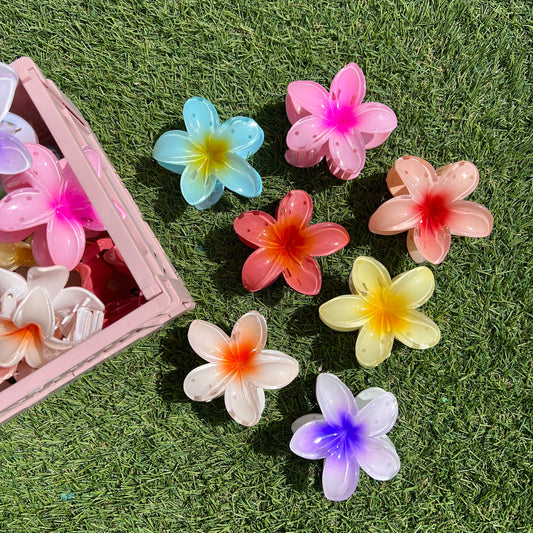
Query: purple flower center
[344,437]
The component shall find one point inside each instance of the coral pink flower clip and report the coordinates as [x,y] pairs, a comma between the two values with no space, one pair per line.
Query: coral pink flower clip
[287,244]
[48,200]
[238,367]
[337,124]
[429,205]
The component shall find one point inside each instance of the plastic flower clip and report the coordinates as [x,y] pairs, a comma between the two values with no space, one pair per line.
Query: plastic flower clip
[287,244]
[238,367]
[14,157]
[383,309]
[40,319]
[48,201]
[210,156]
[337,124]
[350,433]
[429,205]
[16,254]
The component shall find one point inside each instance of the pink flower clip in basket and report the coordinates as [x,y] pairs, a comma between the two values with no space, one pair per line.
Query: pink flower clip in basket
[60,125]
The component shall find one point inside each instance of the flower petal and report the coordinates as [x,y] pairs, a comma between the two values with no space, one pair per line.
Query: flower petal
[260,270]
[24,209]
[313,440]
[239,176]
[394,216]
[348,152]
[457,180]
[39,247]
[274,370]
[45,171]
[340,476]
[308,96]
[469,219]
[335,399]
[325,238]
[373,117]
[305,159]
[52,279]
[375,139]
[251,227]
[213,198]
[348,87]
[416,174]
[7,372]
[419,332]
[243,134]
[78,202]
[368,275]
[416,256]
[372,347]
[200,117]
[308,134]
[433,245]
[36,308]
[378,458]
[345,313]
[8,85]
[367,395]
[14,343]
[206,382]
[413,287]
[175,147]
[379,415]
[295,208]
[251,331]
[14,156]
[208,340]
[302,420]
[66,240]
[195,185]
[304,277]
[244,402]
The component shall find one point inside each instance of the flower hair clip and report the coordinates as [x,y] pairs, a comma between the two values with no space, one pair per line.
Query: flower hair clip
[209,155]
[383,309]
[336,125]
[14,156]
[238,367]
[287,244]
[429,204]
[40,318]
[48,201]
[351,433]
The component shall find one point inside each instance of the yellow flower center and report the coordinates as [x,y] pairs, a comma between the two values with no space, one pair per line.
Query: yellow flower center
[386,311]
[212,154]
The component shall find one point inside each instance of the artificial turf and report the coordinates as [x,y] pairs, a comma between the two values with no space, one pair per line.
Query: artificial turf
[123,448]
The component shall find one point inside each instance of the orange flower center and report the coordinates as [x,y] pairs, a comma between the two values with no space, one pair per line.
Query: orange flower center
[288,241]
[386,311]
[240,357]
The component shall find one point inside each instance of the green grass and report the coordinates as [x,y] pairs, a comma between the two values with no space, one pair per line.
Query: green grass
[123,449]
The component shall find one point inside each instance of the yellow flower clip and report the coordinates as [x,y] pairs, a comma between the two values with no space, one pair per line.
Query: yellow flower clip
[16,254]
[383,309]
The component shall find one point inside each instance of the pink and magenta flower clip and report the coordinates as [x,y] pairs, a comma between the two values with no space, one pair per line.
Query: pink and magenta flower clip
[337,124]
[429,204]
[238,367]
[48,201]
[287,244]
[351,433]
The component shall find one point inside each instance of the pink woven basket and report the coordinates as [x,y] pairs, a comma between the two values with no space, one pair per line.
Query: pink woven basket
[59,124]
